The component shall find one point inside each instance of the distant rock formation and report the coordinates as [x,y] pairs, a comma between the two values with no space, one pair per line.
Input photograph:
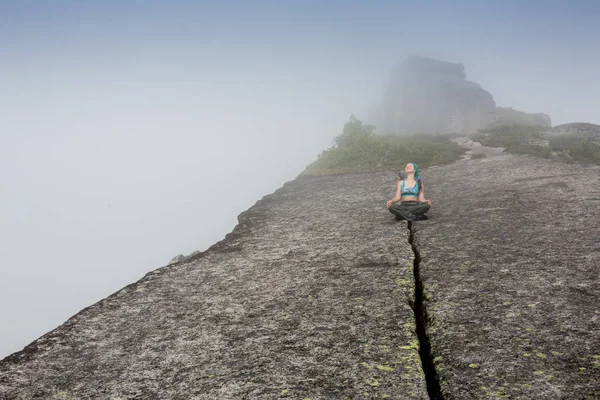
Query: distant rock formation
[506,116]
[432,96]
[583,129]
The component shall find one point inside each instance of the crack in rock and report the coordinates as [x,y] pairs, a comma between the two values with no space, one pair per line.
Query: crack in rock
[421,319]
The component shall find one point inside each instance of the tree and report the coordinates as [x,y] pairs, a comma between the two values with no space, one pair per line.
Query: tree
[354,132]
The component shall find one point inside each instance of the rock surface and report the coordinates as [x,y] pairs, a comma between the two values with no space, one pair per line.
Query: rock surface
[307,298]
[581,129]
[177,259]
[432,96]
[511,264]
[181,258]
[475,150]
[507,116]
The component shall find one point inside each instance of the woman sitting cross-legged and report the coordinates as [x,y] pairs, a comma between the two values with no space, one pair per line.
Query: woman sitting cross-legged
[409,202]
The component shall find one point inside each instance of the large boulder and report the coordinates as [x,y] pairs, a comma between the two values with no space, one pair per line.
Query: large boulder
[182,258]
[433,96]
[176,259]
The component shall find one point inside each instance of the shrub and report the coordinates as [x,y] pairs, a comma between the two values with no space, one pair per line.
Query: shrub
[547,151]
[579,149]
[359,149]
[532,140]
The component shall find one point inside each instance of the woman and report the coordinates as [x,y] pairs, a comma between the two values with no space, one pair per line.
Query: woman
[409,202]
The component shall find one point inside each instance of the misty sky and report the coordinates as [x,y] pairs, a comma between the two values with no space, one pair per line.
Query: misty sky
[132,131]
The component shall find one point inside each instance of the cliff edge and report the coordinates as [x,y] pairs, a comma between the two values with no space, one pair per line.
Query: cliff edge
[319,294]
[307,298]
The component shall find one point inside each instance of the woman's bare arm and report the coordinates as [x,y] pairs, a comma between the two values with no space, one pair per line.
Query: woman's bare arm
[398,188]
[397,196]
[422,193]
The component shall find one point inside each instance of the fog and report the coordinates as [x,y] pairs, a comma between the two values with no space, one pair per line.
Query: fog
[95,195]
[133,133]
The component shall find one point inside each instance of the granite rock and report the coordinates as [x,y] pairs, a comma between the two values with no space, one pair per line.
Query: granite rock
[510,262]
[308,297]
[425,95]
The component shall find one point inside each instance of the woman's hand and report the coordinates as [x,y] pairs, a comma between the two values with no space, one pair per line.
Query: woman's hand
[428,202]
[389,203]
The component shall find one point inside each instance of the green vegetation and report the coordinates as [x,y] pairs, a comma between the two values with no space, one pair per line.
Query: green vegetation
[580,149]
[533,140]
[521,139]
[359,149]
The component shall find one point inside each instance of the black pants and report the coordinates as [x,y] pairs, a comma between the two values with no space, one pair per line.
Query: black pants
[408,210]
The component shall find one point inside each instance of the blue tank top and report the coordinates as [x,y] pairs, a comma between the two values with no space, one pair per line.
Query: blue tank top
[413,191]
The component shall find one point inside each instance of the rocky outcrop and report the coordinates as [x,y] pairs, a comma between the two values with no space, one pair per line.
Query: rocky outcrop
[177,259]
[319,294]
[181,258]
[307,298]
[508,116]
[510,261]
[580,129]
[432,96]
